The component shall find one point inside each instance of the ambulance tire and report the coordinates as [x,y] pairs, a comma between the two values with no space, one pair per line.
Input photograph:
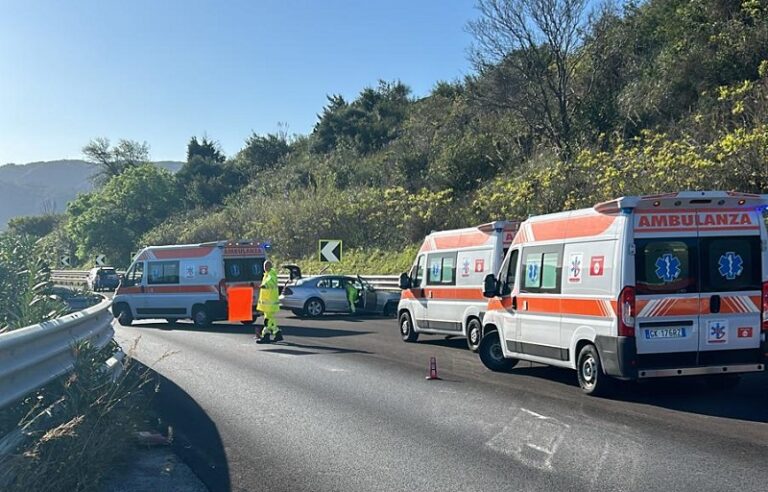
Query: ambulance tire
[200,317]
[406,328]
[474,334]
[724,381]
[123,314]
[592,380]
[491,354]
[314,307]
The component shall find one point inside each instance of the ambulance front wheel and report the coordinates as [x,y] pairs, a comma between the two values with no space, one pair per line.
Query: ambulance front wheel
[491,354]
[406,328]
[592,379]
[200,317]
[123,314]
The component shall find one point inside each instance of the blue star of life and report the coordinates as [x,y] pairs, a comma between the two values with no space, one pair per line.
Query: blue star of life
[533,272]
[730,265]
[668,267]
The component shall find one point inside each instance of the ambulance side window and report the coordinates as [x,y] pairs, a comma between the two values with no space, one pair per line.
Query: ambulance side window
[509,283]
[163,272]
[542,269]
[442,269]
[418,273]
[134,274]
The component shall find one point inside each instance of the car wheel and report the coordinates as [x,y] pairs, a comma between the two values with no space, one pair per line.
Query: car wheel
[474,334]
[590,372]
[123,315]
[200,317]
[314,307]
[491,354]
[389,309]
[406,328]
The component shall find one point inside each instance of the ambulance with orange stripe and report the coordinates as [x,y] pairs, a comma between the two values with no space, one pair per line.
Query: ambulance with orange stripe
[638,287]
[188,281]
[442,294]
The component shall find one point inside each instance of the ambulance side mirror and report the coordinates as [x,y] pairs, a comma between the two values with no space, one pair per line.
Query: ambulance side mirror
[405,281]
[490,286]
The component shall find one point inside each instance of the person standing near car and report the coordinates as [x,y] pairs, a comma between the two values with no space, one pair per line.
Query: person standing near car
[352,295]
[269,305]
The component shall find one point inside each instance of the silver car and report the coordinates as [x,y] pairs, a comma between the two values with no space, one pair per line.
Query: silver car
[313,296]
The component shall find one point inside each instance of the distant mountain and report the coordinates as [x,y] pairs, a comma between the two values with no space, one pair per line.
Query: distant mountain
[37,187]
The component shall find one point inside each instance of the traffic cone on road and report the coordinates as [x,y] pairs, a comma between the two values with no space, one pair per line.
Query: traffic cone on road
[432,374]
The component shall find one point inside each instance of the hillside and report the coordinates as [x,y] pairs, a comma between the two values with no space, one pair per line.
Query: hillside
[37,187]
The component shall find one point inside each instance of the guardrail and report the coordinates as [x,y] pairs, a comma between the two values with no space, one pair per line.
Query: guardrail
[33,356]
[76,278]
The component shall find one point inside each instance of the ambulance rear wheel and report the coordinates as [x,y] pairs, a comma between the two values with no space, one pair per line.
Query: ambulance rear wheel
[491,354]
[200,317]
[592,379]
[474,333]
[406,328]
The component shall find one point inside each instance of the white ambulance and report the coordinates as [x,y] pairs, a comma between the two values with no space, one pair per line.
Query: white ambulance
[187,281]
[442,294]
[638,287]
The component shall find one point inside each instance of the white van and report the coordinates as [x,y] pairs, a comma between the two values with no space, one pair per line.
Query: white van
[442,292]
[187,281]
[638,287]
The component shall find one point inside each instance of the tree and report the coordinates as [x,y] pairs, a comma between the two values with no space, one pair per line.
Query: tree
[110,220]
[113,161]
[532,48]
[207,149]
[34,225]
[261,152]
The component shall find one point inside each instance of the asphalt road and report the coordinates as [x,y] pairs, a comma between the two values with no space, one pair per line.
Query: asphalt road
[343,404]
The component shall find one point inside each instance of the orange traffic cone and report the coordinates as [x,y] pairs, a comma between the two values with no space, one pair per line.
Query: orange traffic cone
[432,369]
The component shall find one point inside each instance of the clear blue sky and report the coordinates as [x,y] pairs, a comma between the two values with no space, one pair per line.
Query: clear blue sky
[161,71]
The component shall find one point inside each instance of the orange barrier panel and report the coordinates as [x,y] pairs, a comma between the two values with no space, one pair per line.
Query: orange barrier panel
[240,303]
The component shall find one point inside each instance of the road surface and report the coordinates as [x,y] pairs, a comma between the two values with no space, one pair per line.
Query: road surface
[343,405]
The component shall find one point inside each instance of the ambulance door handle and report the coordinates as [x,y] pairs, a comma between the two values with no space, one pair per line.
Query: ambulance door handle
[429,294]
[514,303]
[714,304]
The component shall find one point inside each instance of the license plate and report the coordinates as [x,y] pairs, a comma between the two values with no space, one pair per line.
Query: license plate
[664,333]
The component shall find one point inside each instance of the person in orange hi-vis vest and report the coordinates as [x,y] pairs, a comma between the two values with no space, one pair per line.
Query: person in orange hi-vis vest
[269,305]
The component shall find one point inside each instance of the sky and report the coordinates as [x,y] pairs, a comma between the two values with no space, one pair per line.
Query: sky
[162,71]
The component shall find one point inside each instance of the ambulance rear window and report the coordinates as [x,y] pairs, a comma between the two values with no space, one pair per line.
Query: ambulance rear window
[244,269]
[666,266]
[730,264]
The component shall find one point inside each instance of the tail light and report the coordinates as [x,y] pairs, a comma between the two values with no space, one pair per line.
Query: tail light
[764,309]
[287,291]
[627,311]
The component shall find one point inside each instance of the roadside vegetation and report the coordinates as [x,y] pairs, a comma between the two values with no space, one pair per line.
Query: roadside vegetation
[562,111]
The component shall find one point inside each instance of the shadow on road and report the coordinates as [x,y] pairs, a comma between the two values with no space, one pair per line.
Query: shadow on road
[749,401]
[289,348]
[196,438]
[296,331]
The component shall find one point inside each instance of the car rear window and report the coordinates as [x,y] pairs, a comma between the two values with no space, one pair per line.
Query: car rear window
[107,271]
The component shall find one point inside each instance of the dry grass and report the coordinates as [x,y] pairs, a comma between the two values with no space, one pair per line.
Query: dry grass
[76,428]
